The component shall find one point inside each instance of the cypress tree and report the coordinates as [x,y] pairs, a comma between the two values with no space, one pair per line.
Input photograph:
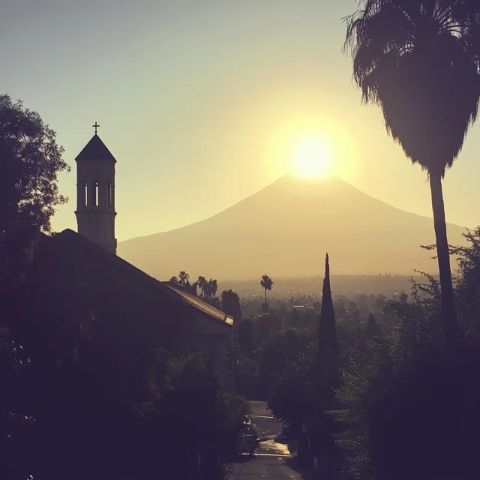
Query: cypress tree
[327,332]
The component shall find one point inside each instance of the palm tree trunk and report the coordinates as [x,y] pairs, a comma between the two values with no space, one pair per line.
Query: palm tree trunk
[449,312]
[265,296]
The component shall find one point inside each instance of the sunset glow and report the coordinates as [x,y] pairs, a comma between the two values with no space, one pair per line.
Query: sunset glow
[312,158]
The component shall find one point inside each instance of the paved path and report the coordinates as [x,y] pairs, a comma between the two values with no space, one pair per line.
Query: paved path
[271,459]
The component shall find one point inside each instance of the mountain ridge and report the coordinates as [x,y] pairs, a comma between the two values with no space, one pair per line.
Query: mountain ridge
[305,217]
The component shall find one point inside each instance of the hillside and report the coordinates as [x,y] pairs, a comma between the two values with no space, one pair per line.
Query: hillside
[286,228]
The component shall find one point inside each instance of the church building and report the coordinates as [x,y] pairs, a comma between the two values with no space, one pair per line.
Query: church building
[122,296]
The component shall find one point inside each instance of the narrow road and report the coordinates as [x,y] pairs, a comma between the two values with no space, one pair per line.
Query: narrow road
[271,459]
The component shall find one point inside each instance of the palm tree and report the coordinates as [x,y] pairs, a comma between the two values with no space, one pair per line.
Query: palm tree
[266,283]
[467,13]
[183,278]
[202,281]
[212,288]
[209,290]
[413,58]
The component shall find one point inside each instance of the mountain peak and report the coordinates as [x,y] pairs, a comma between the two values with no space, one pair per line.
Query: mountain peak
[284,230]
[317,187]
[304,181]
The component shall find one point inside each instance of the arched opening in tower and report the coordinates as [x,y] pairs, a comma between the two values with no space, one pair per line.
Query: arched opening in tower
[94,193]
[110,195]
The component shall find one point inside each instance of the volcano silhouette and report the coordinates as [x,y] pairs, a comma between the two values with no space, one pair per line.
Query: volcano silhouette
[286,228]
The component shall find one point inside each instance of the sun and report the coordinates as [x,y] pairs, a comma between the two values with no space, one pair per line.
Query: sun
[312,148]
[312,158]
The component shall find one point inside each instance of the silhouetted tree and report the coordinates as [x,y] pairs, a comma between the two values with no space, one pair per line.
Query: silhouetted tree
[414,59]
[183,278]
[210,290]
[245,336]
[266,282]
[281,348]
[30,161]
[408,381]
[202,282]
[468,285]
[327,333]
[467,13]
[231,304]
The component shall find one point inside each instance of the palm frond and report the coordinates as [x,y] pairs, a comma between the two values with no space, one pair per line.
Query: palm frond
[419,60]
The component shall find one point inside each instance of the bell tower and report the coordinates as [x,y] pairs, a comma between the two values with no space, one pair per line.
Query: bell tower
[96,193]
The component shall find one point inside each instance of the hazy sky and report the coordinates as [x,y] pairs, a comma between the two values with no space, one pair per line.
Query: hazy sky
[200,101]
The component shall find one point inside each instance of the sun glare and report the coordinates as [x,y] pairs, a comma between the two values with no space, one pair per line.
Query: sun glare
[312,158]
[311,148]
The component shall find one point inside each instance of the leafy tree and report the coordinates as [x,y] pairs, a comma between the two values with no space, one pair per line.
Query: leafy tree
[281,348]
[231,304]
[407,380]
[292,395]
[266,283]
[415,60]
[200,420]
[245,372]
[245,336]
[301,394]
[30,161]
[402,385]
[468,285]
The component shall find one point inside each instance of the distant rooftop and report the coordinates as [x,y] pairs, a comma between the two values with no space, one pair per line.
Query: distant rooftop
[95,149]
[198,303]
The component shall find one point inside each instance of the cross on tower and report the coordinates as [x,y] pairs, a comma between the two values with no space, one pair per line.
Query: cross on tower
[95,126]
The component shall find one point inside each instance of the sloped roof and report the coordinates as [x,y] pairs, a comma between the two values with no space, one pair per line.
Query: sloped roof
[198,303]
[164,288]
[95,149]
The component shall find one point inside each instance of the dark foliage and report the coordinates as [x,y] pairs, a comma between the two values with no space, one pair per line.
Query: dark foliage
[281,348]
[419,62]
[88,392]
[230,302]
[30,161]
[409,57]
[410,400]
[468,284]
